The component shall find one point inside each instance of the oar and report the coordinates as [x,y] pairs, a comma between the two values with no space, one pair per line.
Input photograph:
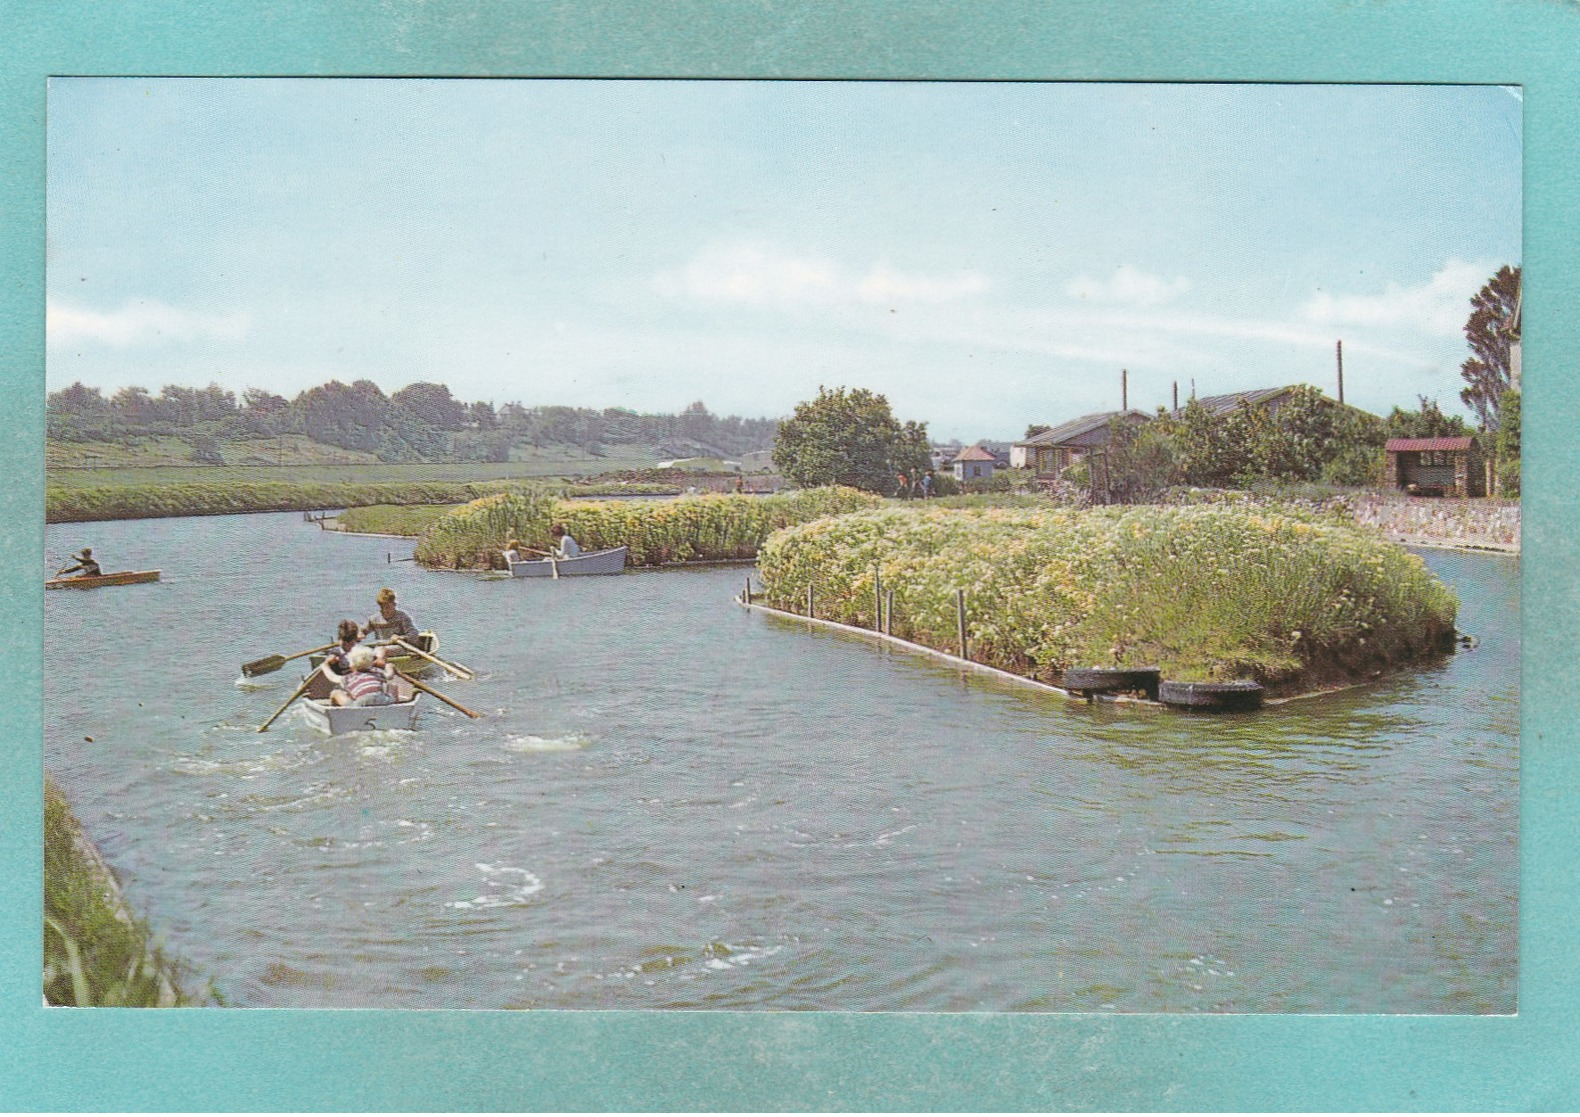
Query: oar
[447,701]
[454,668]
[554,564]
[271,663]
[264,728]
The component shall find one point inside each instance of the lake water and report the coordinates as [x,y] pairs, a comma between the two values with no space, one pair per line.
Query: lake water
[676,803]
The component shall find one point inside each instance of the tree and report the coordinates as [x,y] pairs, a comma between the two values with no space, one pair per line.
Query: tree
[1035,429]
[1508,444]
[1486,372]
[1428,421]
[849,438]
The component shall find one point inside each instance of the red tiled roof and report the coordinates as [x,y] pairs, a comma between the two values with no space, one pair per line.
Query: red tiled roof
[1413,444]
[975,454]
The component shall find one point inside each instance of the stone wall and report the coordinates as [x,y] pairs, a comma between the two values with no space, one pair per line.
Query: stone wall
[1460,523]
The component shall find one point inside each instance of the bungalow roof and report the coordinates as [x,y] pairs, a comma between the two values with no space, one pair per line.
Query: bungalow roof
[1074,428]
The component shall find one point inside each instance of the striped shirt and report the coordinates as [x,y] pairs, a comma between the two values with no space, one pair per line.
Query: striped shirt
[360,684]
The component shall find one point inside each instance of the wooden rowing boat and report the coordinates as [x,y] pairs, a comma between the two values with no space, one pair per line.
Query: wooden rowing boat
[611,561]
[405,662]
[324,716]
[123,578]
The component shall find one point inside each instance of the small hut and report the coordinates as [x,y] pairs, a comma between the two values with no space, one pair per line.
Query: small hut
[974,464]
[1436,466]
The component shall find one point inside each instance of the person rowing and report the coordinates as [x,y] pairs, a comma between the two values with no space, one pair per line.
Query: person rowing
[565,547]
[86,566]
[347,636]
[389,623]
[366,682]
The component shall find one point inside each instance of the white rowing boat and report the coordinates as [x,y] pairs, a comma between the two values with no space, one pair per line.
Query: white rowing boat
[611,561]
[324,716]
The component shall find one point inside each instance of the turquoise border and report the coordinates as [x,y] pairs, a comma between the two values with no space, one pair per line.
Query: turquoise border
[109,1060]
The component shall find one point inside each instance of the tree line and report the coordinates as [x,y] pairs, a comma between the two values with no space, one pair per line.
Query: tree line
[420,422]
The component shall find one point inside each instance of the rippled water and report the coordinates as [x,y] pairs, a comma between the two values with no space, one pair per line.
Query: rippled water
[675,803]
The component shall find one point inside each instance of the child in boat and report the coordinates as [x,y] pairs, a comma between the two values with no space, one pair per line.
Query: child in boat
[365,684]
[513,551]
[389,623]
[347,634]
[86,566]
[564,546]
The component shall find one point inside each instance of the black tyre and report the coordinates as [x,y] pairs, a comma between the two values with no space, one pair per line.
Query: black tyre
[1241,694]
[1111,680]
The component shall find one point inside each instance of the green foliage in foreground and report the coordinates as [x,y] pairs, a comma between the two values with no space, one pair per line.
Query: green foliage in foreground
[688,529]
[1204,592]
[94,953]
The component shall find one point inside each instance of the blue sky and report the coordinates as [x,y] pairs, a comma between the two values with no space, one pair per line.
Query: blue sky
[987,255]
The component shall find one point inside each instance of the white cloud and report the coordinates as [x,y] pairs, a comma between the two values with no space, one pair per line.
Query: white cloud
[1438,306]
[139,322]
[763,275]
[1127,286]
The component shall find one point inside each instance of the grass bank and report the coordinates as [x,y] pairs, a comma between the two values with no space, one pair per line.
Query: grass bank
[95,952]
[658,532]
[213,498]
[1205,592]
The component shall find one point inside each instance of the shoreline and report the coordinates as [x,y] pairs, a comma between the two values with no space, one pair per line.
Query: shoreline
[1037,684]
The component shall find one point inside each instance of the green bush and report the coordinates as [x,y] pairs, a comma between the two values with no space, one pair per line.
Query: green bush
[1204,592]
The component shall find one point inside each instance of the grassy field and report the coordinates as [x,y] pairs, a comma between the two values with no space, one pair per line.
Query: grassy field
[167,461]
[1205,592]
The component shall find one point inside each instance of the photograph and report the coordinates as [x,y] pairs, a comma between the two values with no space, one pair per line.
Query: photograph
[782,546]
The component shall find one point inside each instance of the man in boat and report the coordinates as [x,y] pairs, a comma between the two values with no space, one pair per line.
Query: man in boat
[86,566]
[389,623]
[365,682]
[564,546]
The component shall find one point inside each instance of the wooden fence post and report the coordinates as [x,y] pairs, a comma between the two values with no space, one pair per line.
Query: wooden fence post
[809,613]
[960,618]
[888,615]
[877,600]
[746,594]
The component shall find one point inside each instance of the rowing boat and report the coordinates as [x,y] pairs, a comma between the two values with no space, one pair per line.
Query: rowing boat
[123,578]
[324,716]
[405,661]
[611,561]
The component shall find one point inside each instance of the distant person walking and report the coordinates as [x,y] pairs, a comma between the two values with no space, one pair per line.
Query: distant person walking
[929,485]
[903,490]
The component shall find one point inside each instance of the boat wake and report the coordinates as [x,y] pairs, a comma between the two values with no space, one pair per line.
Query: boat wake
[529,743]
[511,887]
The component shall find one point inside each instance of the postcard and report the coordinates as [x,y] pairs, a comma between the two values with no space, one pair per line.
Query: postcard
[781,569]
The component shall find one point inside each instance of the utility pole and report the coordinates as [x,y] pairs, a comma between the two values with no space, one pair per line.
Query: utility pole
[1124,389]
[1176,395]
[1340,350]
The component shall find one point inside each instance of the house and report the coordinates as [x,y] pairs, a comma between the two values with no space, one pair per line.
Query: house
[1435,466]
[1270,399]
[1053,451]
[974,464]
[999,450]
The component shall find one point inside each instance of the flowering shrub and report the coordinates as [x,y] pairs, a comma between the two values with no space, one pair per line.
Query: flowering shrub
[1204,592]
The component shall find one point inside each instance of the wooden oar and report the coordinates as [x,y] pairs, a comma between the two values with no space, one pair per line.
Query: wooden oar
[429,690]
[264,728]
[460,669]
[554,563]
[271,663]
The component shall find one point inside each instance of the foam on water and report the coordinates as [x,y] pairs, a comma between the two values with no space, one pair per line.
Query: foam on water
[511,887]
[530,743]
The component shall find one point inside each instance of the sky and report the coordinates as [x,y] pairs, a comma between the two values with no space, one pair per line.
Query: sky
[987,255]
